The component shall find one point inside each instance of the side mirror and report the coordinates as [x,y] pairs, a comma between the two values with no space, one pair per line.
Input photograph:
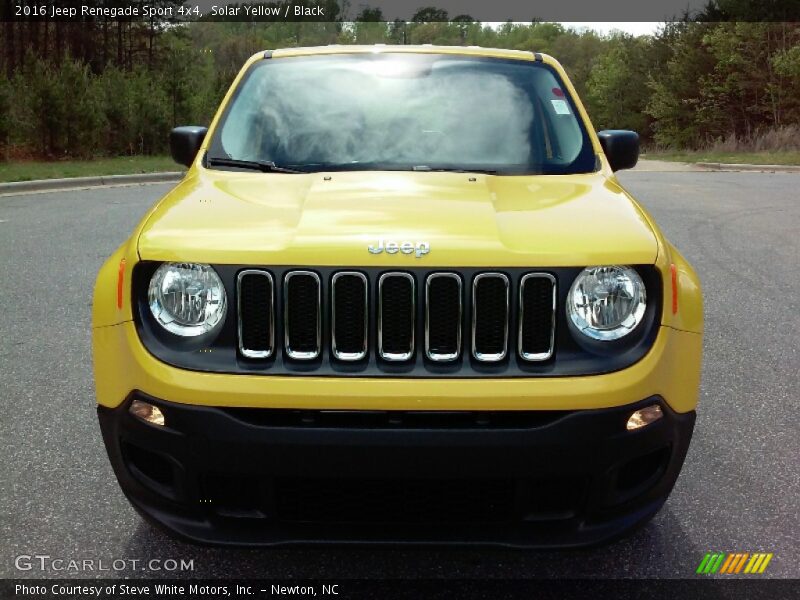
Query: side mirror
[621,147]
[185,142]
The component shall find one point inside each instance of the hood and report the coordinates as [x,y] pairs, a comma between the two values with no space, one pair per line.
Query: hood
[332,218]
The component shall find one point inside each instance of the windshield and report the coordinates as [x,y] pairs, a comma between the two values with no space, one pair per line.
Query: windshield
[387,111]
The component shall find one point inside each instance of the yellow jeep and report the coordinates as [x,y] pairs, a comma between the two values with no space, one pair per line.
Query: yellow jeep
[399,296]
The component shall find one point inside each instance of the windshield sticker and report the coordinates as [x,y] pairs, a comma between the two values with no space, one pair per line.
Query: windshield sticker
[561,107]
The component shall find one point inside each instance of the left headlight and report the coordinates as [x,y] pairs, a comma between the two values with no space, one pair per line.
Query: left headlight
[187,299]
[607,303]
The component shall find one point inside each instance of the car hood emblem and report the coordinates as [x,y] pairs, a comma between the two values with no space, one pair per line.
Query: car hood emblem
[418,249]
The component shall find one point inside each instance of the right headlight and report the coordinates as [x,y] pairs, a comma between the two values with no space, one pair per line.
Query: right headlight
[607,303]
[187,299]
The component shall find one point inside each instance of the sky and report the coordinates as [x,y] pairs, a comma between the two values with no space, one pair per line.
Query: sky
[631,27]
[634,28]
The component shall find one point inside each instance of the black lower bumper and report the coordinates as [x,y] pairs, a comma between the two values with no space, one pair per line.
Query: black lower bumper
[528,479]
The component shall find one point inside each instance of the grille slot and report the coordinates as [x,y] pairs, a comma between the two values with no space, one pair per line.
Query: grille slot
[490,298]
[396,311]
[255,296]
[537,305]
[302,315]
[443,310]
[349,318]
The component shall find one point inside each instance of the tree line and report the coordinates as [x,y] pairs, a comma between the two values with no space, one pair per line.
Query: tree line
[106,88]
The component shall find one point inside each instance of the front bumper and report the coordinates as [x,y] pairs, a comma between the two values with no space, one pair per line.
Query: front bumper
[671,369]
[528,478]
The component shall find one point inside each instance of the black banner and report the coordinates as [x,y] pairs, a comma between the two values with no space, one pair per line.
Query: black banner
[400,10]
[619,589]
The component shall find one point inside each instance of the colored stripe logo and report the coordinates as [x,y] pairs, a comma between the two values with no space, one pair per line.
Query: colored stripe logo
[734,563]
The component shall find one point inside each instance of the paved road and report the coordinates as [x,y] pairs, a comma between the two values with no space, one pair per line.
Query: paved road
[738,492]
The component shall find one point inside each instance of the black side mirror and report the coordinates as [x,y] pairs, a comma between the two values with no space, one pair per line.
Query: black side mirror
[185,142]
[621,147]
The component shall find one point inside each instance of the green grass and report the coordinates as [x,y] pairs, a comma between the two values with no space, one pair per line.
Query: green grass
[121,165]
[784,157]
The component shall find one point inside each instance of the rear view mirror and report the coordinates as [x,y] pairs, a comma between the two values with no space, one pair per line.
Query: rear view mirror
[185,142]
[621,147]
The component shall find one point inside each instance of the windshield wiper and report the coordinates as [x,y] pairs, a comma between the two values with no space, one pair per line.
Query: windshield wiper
[265,166]
[453,170]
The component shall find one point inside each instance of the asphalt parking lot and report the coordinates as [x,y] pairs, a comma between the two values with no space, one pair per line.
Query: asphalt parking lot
[739,490]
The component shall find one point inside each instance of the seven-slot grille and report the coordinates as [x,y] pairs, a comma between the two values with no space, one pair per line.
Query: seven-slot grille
[340,311]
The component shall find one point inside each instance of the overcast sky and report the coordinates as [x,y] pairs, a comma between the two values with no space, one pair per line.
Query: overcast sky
[632,28]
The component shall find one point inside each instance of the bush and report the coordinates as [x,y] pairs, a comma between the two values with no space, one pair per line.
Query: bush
[775,139]
[5,117]
[82,108]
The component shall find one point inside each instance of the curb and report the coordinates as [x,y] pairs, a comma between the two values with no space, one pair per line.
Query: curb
[40,185]
[743,167]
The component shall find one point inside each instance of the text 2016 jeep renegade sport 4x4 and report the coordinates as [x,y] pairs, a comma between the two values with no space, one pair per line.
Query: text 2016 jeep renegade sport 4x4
[399,296]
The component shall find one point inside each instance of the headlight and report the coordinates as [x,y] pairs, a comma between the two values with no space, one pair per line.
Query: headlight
[187,299]
[606,303]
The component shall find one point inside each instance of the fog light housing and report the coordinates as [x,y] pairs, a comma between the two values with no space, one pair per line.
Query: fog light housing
[644,416]
[147,412]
